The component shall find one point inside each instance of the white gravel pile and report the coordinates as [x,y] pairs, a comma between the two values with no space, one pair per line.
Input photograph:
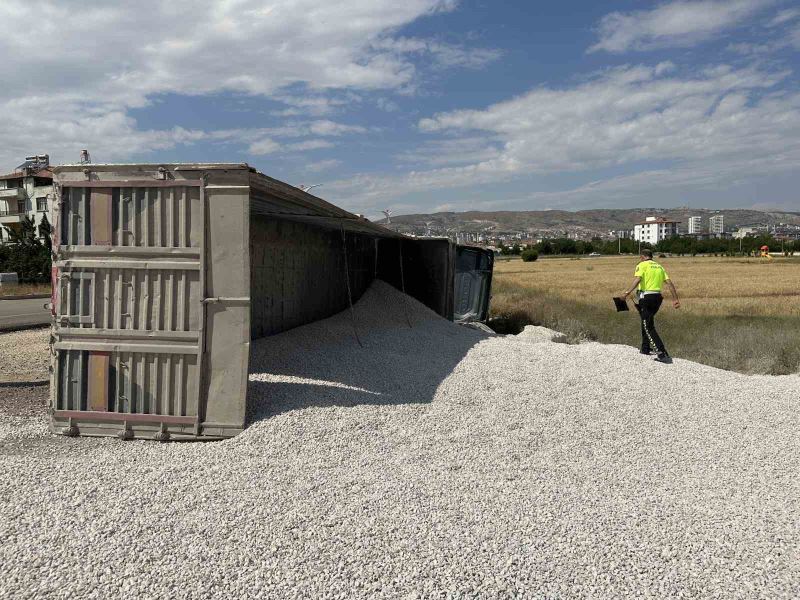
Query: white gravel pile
[436,461]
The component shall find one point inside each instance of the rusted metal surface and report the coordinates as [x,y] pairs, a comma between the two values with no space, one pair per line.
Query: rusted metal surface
[98,381]
[85,415]
[101,216]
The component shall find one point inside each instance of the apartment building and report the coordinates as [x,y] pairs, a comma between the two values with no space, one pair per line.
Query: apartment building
[716,224]
[695,225]
[654,229]
[25,192]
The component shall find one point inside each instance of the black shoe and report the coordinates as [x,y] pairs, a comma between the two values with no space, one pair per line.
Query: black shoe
[664,358]
[645,352]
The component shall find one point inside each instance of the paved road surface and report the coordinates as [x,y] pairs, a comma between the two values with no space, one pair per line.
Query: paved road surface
[17,313]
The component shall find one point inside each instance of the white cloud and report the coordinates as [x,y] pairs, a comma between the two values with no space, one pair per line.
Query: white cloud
[718,125]
[784,16]
[103,60]
[262,140]
[387,105]
[461,150]
[203,46]
[677,23]
[323,165]
[794,38]
[263,146]
[309,145]
[450,56]
[630,114]
[443,54]
[302,128]
[782,31]
[312,105]
[325,127]
[369,194]
[639,187]
[60,125]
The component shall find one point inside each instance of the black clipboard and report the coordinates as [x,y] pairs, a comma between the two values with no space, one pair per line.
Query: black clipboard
[621,304]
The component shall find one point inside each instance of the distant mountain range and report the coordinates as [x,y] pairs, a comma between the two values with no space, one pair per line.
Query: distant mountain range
[600,221]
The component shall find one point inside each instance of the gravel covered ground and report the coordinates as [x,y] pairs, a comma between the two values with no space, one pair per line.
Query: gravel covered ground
[25,355]
[436,461]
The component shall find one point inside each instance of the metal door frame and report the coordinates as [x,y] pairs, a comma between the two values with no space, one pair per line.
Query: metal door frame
[483,309]
[65,296]
[99,260]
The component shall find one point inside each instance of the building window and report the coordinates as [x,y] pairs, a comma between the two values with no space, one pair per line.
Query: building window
[20,206]
[41,204]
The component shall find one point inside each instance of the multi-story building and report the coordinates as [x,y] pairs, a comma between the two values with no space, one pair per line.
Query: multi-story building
[27,192]
[654,229]
[784,231]
[695,225]
[621,234]
[716,224]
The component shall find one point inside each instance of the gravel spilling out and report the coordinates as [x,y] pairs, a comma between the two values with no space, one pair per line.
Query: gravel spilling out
[436,461]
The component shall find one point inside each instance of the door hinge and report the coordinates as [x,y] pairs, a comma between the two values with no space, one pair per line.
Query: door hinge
[226,300]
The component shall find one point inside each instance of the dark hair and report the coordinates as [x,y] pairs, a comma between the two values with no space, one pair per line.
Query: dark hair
[646,253]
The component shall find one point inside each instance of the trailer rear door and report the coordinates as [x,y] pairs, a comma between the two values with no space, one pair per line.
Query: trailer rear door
[473,283]
[128,307]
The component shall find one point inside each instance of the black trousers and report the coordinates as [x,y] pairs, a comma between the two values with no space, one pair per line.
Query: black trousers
[648,307]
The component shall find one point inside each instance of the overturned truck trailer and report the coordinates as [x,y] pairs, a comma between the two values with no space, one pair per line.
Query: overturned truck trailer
[162,275]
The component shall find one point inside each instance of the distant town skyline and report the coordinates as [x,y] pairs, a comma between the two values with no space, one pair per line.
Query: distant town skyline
[426,105]
[646,224]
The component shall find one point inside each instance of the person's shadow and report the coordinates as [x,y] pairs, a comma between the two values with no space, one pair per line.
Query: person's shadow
[322,364]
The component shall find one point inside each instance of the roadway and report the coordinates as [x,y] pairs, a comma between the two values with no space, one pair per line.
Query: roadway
[21,313]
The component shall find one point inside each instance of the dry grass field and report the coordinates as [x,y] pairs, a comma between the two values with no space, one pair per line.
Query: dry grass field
[740,314]
[22,289]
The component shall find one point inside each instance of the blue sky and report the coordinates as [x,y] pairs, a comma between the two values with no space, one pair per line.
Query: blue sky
[430,105]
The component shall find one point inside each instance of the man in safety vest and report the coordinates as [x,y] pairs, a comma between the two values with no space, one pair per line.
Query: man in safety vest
[649,279]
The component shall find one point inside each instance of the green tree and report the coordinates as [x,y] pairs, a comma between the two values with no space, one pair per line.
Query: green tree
[25,235]
[45,232]
[27,256]
[565,246]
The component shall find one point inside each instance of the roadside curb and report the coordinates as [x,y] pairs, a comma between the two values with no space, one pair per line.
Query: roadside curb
[25,297]
[23,327]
